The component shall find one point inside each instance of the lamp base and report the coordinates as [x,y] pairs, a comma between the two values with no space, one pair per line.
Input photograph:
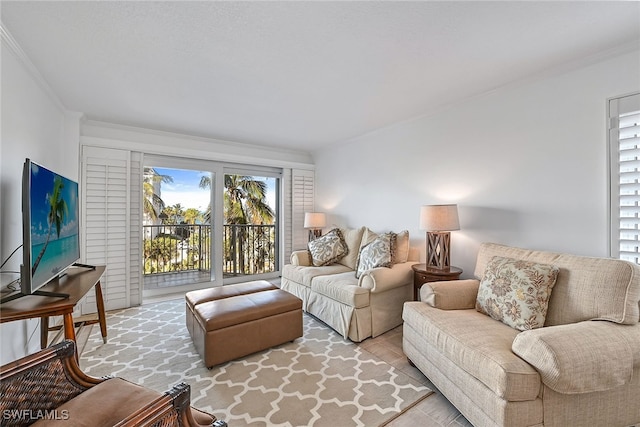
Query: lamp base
[438,250]
[314,233]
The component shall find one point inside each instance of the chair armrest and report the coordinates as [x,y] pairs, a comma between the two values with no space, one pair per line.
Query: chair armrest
[172,408]
[301,258]
[582,357]
[45,380]
[382,279]
[450,295]
[53,372]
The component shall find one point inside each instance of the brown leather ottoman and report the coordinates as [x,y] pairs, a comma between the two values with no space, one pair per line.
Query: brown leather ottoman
[200,296]
[224,329]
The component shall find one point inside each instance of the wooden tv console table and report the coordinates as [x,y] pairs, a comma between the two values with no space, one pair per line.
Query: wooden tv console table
[76,283]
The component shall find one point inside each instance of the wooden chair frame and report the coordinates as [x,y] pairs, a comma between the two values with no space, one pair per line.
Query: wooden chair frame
[45,380]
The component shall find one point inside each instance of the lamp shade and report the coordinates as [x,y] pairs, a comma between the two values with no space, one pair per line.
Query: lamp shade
[314,220]
[439,218]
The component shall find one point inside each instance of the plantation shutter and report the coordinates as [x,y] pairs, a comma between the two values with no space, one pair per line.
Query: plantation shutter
[111,200]
[303,194]
[624,140]
[286,218]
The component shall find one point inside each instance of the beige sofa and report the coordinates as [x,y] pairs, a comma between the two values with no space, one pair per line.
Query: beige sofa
[581,369]
[357,308]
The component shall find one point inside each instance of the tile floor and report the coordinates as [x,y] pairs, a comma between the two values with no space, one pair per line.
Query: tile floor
[435,410]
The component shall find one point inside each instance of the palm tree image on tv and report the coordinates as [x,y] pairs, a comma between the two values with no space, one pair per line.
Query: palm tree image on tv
[57,211]
[54,223]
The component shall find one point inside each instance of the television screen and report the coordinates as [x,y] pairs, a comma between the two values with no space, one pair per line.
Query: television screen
[50,225]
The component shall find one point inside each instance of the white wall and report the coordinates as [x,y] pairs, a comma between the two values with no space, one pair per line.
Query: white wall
[526,164]
[34,125]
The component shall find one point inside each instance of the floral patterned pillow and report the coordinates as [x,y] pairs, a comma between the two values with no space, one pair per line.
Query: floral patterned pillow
[378,253]
[328,249]
[516,292]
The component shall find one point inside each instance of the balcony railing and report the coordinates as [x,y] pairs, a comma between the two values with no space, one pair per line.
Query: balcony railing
[247,249]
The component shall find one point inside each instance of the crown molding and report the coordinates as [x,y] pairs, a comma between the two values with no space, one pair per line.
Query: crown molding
[10,42]
[163,143]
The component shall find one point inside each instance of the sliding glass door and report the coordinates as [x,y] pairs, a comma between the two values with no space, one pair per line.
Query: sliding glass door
[176,226]
[208,223]
[250,236]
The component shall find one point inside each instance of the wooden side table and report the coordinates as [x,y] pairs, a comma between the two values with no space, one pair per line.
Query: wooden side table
[423,274]
[76,282]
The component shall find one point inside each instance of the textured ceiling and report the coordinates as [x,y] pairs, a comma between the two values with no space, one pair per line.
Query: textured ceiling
[299,74]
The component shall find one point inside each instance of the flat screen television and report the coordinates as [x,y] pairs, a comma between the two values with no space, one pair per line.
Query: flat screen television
[50,226]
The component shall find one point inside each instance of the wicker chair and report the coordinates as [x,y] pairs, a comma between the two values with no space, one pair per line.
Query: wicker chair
[48,388]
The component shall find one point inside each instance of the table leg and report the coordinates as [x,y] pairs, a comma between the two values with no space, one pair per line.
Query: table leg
[44,331]
[69,327]
[70,330]
[101,314]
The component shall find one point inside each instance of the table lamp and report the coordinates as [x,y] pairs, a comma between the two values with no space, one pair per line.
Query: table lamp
[315,222]
[438,220]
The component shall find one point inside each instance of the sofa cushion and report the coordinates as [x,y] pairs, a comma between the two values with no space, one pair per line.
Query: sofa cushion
[353,239]
[342,287]
[328,249]
[104,404]
[586,288]
[303,275]
[516,292]
[479,345]
[378,253]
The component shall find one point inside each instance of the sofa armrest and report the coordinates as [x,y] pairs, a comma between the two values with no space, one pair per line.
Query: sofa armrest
[172,408]
[382,279]
[450,295]
[582,357]
[301,258]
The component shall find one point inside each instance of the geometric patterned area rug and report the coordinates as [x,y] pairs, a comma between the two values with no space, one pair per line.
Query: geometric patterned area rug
[317,380]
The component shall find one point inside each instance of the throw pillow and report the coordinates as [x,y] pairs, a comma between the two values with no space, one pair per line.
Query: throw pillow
[401,252]
[378,253]
[516,292]
[368,236]
[401,245]
[353,238]
[328,248]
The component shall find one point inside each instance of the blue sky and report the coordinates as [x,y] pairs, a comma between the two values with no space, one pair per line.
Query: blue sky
[185,189]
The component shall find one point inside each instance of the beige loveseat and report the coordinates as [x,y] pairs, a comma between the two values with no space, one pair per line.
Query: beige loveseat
[357,308]
[581,369]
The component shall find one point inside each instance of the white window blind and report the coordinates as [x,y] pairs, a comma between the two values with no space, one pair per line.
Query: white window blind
[287,223]
[302,200]
[624,142]
[111,199]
